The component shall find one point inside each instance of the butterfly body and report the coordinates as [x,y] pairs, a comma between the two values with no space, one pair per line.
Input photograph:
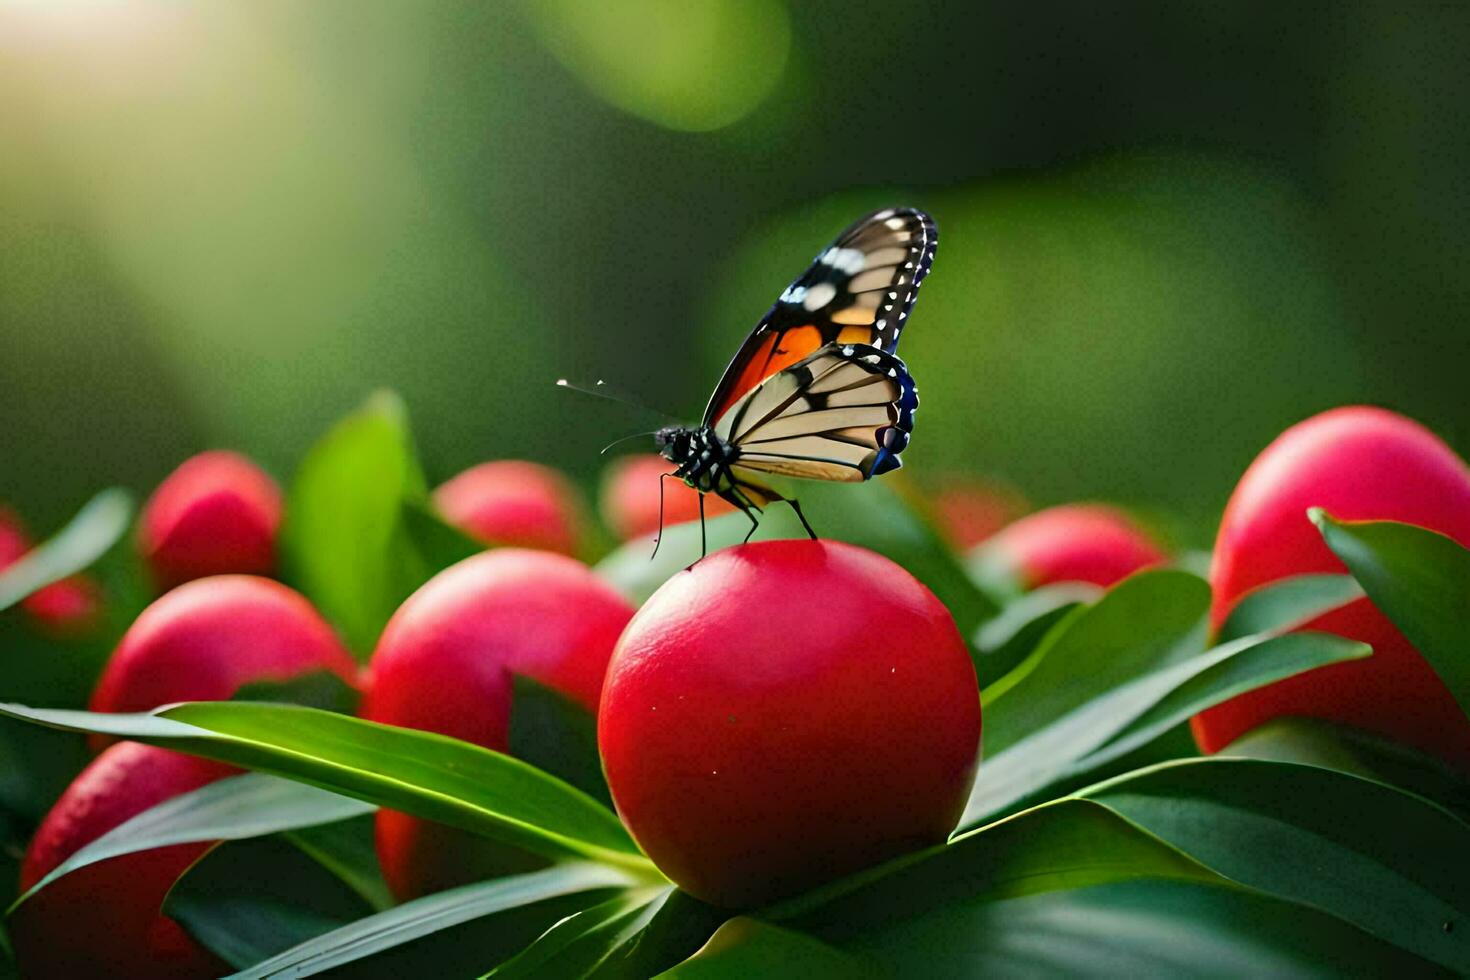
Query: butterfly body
[702,458]
[817,390]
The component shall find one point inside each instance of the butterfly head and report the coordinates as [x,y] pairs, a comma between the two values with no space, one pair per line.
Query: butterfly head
[674,442]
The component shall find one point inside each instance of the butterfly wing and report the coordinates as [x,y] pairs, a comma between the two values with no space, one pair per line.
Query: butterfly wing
[859,290]
[843,413]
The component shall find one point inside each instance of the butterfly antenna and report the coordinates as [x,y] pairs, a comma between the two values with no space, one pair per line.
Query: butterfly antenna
[623,439]
[603,390]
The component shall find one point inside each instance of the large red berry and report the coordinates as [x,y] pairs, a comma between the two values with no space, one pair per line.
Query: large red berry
[512,502]
[206,639]
[70,607]
[445,664]
[1360,464]
[105,919]
[631,502]
[217,513]
[1072,543]
[784,713]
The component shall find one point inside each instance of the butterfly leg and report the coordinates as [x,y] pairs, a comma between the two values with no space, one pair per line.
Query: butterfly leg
[703,541]
[796,506]
[736,497]
[659,538]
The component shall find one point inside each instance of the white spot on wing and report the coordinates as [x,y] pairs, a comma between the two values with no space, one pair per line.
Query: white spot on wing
[819,296]
[848,260]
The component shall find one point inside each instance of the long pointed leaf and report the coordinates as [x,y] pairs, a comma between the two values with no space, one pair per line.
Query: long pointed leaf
[428,775]
[94,529]
[1421,581]
[424,917]
[1149,620]
[251,805]
[1137,928]
[580,946]
[1288,604]
[1126,718]
[1314,742]
[1317,837]
[345,543]
[747,947]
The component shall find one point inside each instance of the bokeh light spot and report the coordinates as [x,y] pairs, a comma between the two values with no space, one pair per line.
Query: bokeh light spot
[692,67]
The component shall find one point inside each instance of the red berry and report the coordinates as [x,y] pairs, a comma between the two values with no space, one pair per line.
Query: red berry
[105,919]
[444,664]
[1072,543]
[1360,464]
[630,497]
[511,502]
[217,513]
[70,607]
[205,639]
[785,713]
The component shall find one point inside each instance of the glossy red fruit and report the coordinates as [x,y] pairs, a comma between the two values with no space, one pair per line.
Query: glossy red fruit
[445,664]
[1360,464]
[206,639]
[512,502]
[1071,543]
[785,713]
[630,498]
[71,607]
[105,919]
[217,513]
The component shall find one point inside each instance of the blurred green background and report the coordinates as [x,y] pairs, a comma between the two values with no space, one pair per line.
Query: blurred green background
[1167,230]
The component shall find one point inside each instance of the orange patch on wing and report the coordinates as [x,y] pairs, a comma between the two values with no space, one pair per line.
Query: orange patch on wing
[768,359]
[855,335]
[853,314]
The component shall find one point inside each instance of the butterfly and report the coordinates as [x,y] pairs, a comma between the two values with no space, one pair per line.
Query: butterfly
[817,390]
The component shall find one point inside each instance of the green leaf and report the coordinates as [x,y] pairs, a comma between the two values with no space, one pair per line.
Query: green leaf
[95,528]
[747,947]
[248,900]
[1317,837]
[1126,718]
[554,732]
[872,515]
[251,805]
[1229,670]
[1062,890]
[680,926]
[1058,845]
[1005,640]
[1135,928]
[509,912]
[428,775]
[1420,579]
[441,544]
[994,573]
[918,915]
[1148,620]
[345,543]
[588,944]
[348,850]
[1314,742]
[1288,604]
[316,689]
